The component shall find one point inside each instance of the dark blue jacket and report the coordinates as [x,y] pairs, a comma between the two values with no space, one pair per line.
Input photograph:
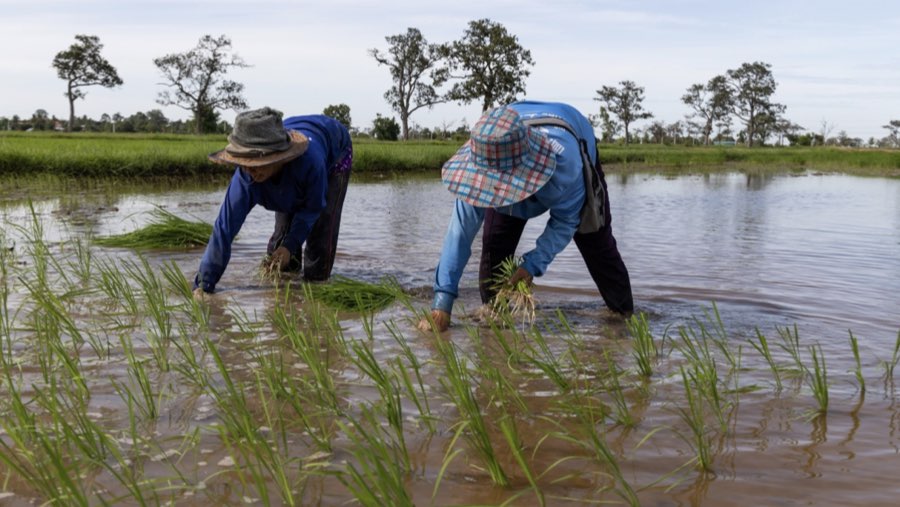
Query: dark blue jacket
[299,189]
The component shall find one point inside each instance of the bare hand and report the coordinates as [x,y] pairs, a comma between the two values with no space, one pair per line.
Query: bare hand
[279,260]
[441,321]
[521,275]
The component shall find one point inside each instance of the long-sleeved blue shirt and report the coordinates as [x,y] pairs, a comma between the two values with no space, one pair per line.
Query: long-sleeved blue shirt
[299,188]
[562,196]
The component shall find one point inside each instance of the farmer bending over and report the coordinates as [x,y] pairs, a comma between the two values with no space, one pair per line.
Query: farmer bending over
[509,172]
[299,169]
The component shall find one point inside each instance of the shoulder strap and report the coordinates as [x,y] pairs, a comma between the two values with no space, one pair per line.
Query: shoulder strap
[593,213]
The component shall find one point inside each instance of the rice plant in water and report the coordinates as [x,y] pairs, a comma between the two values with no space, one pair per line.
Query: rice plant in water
[516,300]
[818,377]
[854,346]
[890,365]
[165,230]
[644,348]
[762,346]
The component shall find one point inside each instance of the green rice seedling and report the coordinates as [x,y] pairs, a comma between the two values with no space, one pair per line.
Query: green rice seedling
[458,384]
[516,447]
[762,346]
[511,342]
[307,347]
[516,300]
[42,461]
[818,378]
[540,356]
[198,313]
[704,371]
[417,394]
[262,459]
[82,264]
[613,386]
[694,415]
[378,475]
[892,363]
[155,305]
[353,295]
[719,336]
[188,364]
[857,372]
[387,385]
[643,348]
[148,401]
[790,343]
[590,436]
[289,390]
[164,230]
[114,284]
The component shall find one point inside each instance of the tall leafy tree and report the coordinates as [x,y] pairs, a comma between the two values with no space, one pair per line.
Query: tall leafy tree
[417,70]
[626,102]
[751,87]
[81,66]
[609,128]
[385,128]
[196,80]
[340,112]
[711,105]
[490,64]
[893,128]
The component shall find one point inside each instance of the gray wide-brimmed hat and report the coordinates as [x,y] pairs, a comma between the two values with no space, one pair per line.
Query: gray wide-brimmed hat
[258,139]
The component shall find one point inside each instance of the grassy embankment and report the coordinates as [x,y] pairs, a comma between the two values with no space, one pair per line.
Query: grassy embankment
[166,156]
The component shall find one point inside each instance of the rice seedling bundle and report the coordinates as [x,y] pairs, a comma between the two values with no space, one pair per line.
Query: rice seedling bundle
[516,300]
[353,295]
[165,230]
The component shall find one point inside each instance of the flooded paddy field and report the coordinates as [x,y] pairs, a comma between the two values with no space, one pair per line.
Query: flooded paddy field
[758,370]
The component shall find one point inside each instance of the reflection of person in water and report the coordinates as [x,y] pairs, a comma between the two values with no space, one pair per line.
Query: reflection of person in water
[509,172]
[298,168]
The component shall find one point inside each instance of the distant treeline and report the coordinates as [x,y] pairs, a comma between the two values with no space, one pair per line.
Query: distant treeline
[167,155]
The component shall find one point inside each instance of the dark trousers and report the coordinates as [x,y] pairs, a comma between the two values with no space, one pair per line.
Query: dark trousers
[321,243]
[598,249]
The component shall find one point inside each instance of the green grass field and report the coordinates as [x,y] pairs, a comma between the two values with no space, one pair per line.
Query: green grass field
[168,156]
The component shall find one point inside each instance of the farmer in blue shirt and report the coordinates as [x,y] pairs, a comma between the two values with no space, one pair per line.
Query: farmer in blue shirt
[507,173]
[298,168]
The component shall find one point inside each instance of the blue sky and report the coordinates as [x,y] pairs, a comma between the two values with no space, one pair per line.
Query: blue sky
[835,62]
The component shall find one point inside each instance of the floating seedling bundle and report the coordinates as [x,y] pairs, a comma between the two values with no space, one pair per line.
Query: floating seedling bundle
[353,295]
[165,230]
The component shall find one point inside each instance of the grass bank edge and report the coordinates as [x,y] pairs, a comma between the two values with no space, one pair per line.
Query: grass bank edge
[173,156]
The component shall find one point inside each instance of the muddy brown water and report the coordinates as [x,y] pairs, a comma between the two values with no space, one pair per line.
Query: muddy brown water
[817,251]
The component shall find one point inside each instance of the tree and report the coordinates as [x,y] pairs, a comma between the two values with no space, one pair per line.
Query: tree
[340,112]
[893,128]
[657,132]
[156,121]
[385,128]
[81,66]
[40,120]
[490,63]
[196,80]
[711,104]
[751,87]
[609,128]
[417,72]
[625,103]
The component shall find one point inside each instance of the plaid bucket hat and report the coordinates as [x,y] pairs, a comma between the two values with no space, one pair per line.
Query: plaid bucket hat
[504,161]
[258,139]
